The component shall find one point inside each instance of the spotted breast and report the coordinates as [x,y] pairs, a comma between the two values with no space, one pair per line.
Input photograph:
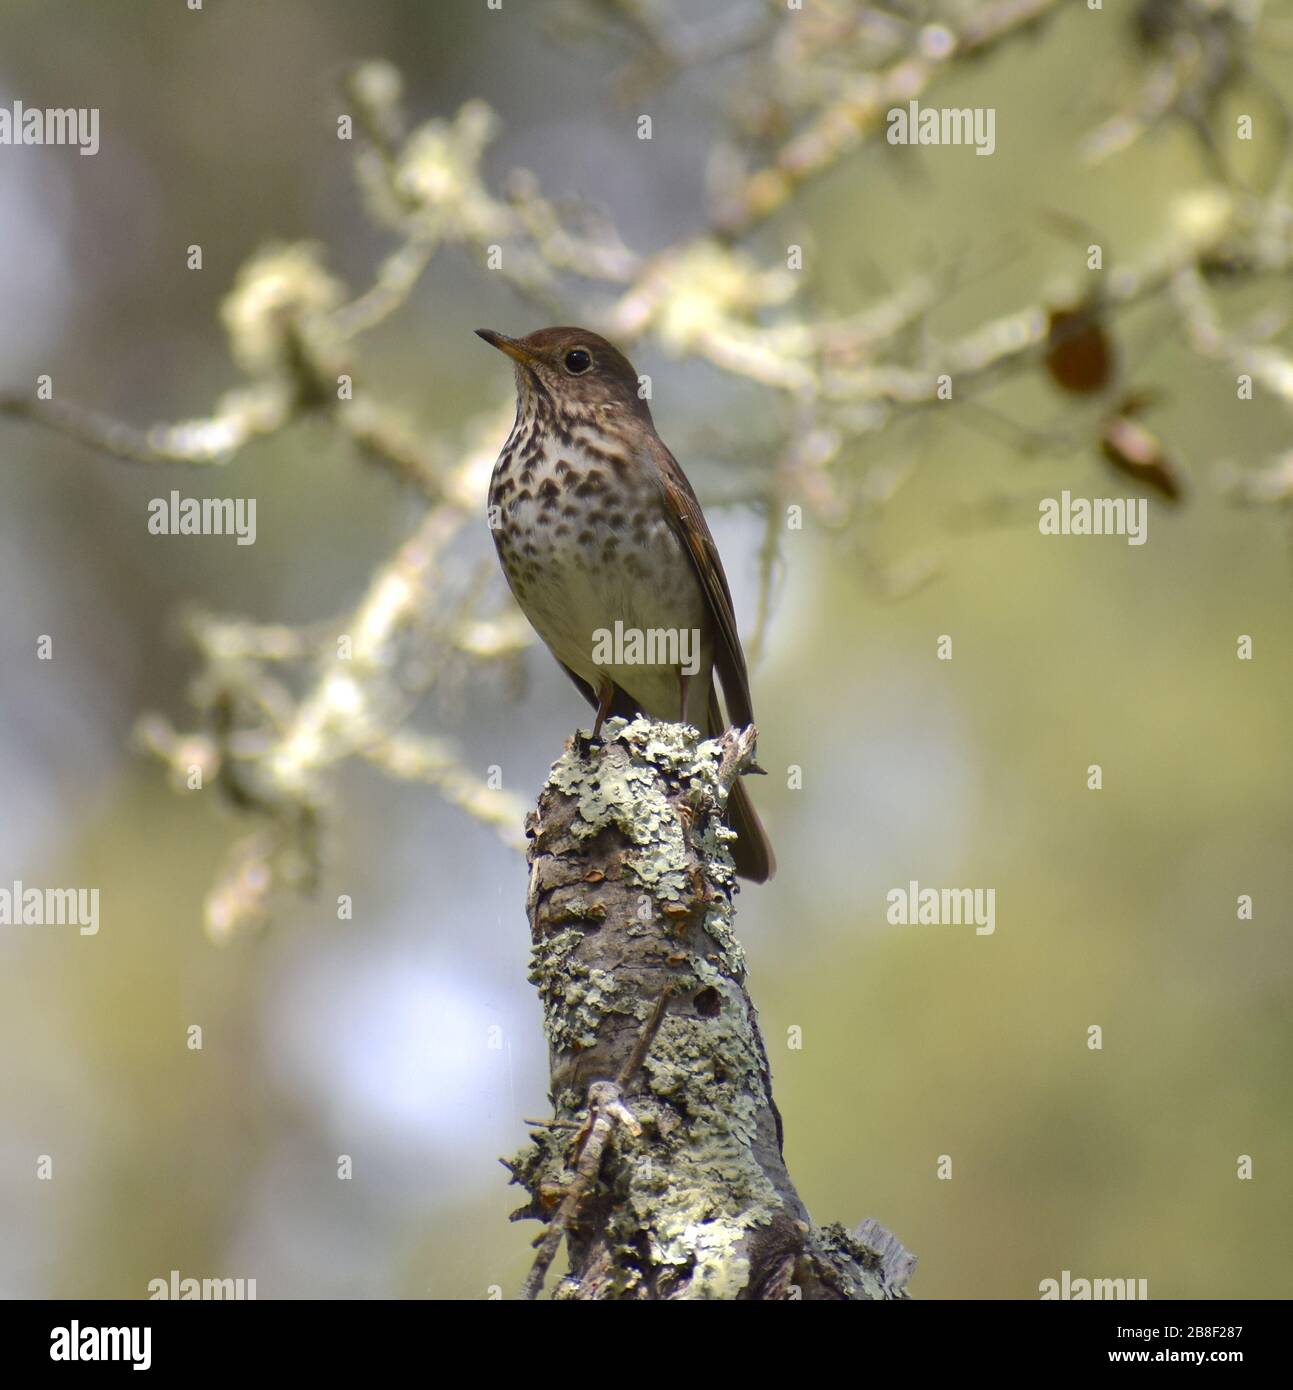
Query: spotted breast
[591,557]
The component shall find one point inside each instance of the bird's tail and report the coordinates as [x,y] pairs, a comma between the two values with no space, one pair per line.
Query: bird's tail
[752,851]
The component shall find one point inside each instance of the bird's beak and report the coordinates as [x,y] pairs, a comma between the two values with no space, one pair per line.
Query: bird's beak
[505,344]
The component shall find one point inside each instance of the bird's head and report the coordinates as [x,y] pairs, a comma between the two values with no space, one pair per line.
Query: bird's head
[576,368]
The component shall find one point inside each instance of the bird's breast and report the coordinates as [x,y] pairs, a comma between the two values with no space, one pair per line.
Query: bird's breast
[586,544]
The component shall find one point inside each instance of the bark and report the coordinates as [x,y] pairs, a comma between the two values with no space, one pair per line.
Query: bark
[662,1167]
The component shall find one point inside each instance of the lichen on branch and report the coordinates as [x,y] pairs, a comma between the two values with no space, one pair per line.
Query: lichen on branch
[631,903]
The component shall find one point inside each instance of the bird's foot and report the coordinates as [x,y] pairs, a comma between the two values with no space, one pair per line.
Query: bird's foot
[585,743]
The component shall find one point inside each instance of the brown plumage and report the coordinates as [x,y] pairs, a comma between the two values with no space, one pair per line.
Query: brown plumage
[596,525]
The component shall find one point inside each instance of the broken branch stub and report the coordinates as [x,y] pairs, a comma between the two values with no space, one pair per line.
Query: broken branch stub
[662,1168]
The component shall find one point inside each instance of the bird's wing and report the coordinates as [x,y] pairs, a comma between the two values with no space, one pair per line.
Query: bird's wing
[688,522]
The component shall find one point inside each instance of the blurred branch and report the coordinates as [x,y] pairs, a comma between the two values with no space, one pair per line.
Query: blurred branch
[1269,367]
[662,1168]
[808,48]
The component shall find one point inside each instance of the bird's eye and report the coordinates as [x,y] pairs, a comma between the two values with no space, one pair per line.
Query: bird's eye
[578,361]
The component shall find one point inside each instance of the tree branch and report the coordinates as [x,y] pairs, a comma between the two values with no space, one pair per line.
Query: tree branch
[662,1167]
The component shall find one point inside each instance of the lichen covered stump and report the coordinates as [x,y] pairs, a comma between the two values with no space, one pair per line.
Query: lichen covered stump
[662,1167]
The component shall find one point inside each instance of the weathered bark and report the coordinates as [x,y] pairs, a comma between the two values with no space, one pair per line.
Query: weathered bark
[662,1168]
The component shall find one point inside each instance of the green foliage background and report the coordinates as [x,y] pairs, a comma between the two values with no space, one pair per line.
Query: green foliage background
[371,1037]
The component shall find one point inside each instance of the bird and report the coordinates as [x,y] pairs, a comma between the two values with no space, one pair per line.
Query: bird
[606,549]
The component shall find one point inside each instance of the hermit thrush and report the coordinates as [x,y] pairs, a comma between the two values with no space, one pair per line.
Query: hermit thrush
[606,550]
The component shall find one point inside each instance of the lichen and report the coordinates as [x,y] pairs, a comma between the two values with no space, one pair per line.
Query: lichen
[620,786]
[856,1267]
[576,997]
[692,1167]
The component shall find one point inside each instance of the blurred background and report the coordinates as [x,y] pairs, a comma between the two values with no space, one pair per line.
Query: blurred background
[407,1037]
